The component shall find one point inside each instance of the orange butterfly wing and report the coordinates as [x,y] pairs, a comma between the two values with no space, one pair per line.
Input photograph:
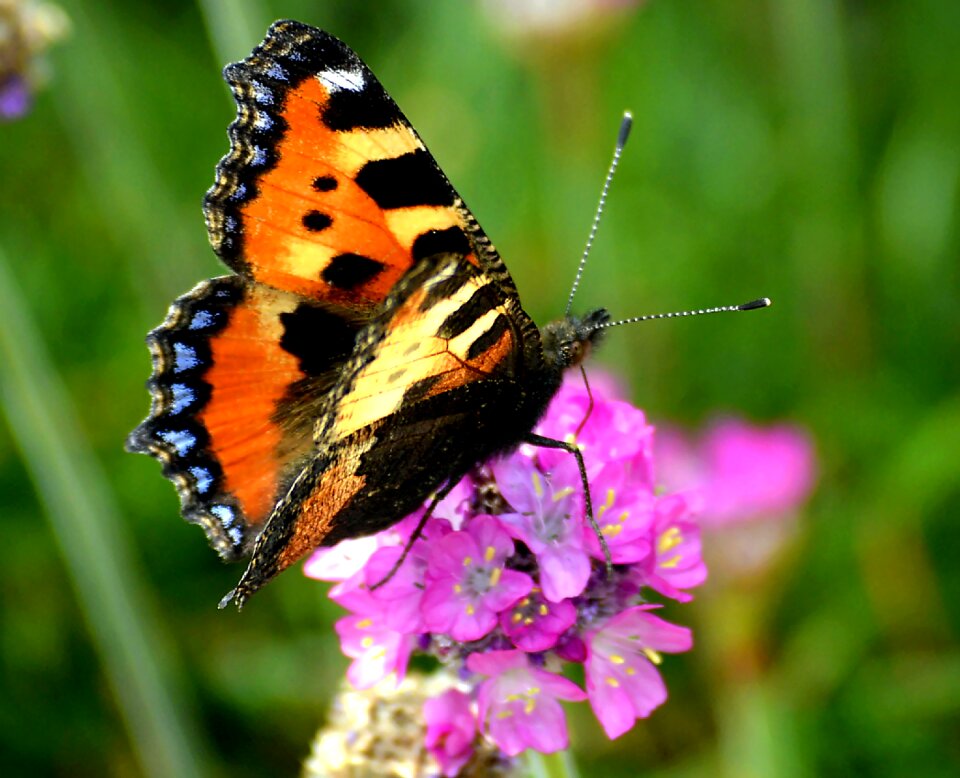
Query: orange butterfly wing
[325,201]
[327,191]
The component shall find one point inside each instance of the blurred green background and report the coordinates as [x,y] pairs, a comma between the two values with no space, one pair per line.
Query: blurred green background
[808,150]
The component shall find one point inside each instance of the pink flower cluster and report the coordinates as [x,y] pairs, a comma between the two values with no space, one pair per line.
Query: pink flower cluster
[507,585]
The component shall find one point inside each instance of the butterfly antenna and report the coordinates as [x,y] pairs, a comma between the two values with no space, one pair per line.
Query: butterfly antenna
[762,302]
[622,136]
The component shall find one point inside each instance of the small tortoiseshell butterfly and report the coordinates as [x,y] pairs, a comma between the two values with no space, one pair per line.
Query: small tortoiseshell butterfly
[370,347]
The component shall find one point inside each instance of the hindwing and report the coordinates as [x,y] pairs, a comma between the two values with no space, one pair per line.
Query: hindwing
[237,369]
[433,387]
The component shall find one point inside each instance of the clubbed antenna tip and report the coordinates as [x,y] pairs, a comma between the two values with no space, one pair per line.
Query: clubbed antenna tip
[763,302]
[625,126]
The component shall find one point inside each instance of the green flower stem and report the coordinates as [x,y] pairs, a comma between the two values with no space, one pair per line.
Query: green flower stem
[97,553]
[558,765]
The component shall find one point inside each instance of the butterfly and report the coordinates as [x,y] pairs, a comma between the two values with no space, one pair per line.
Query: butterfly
[369,348]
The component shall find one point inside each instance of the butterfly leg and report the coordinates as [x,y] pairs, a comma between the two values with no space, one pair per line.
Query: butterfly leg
[447,488]
[539,440]
[586,415]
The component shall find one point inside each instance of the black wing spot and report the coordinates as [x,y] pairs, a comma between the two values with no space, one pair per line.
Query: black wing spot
[408,180]
[315,221]
[369,109]
[324,183]
[396,375]
[348,271]
[452,240]
[317,337]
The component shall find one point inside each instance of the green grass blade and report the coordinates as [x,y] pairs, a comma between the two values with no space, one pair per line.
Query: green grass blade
[93,541]
[126,186]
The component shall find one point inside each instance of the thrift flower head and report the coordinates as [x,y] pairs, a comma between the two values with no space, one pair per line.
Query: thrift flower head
[508,585]
[738,471]
[746,484]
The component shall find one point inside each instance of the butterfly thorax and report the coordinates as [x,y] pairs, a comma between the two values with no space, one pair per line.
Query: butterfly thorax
[568,341]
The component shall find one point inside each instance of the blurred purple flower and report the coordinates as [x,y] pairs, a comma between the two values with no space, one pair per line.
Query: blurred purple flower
[737,472]
[14,98]
[26,29]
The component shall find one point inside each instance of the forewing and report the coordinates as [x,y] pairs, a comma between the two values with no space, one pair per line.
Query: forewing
[327,191]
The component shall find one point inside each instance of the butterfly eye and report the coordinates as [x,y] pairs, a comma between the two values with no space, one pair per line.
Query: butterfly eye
[574,352]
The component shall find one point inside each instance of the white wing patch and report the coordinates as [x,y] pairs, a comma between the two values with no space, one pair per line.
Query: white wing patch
[335,80]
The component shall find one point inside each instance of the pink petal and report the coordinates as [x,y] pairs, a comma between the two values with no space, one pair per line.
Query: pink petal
[645,688]
[451,730]
[342,560]
[544,729]
[472,626]
[511,587]
[564,572]
[446,556]
[496,662]
[488,533]
[611,706]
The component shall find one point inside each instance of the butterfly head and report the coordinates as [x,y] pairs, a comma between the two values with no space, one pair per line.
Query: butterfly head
[568,341]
